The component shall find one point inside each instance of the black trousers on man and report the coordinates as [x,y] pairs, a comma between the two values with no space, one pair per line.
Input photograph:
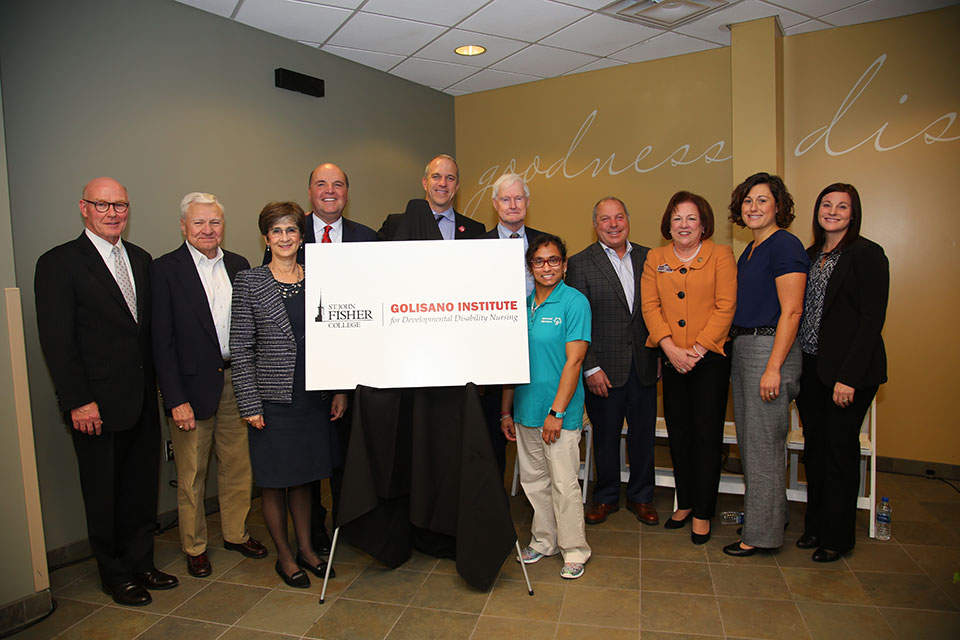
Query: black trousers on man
[119,474]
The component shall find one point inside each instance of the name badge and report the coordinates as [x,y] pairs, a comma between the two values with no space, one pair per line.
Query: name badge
[664,268]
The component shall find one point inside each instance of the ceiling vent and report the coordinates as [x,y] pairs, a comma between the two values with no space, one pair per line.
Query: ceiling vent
[663,14]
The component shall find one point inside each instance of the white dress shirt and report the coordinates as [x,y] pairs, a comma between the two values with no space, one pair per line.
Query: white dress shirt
[505,233]
[624,270]
[216,284]
[105,249]
[447,224]
[336,228]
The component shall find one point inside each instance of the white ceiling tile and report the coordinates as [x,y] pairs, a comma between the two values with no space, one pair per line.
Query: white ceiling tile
[602,63]
[347,4]
[527,20]
[294,20]
[542,61]
[814,8]
[442,48]
[713,26]
[487,79]
[220,7]
[806,27]
[442,12]
[430,73]
[600,35]
[386,35]
[381,61]
[663,46]
[883,9]
[588,4]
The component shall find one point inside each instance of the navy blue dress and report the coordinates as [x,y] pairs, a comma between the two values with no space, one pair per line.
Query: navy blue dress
[298,444]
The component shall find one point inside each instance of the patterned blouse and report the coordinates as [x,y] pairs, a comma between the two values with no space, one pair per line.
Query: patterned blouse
[819,277]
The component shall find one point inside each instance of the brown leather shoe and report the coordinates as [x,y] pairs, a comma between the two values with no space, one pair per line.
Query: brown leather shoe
[199,566]
[599,512]
[129,594]
[156,580]
[644,511]
[251,548]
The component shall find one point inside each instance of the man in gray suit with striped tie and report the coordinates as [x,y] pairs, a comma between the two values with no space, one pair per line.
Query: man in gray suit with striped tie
[620,372]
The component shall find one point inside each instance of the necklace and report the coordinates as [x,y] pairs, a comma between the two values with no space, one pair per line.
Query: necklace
[682,259]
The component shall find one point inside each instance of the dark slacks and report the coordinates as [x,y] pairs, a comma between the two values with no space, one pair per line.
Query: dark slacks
[638,404]
[490,402]
[318,513]
[831,458]
[119,474]
[694,407]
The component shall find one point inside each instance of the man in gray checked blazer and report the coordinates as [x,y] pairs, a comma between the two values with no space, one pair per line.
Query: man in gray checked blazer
[620,372]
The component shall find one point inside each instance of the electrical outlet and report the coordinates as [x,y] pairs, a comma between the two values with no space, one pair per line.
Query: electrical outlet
[168,451]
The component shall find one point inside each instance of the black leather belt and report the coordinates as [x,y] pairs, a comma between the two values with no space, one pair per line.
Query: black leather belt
[752,331]
[226,364]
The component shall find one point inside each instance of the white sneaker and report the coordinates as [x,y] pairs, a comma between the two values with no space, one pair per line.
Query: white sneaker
[529,556]
[571,570]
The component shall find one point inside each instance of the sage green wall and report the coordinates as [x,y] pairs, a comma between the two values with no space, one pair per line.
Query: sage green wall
[169,99]
[15,558]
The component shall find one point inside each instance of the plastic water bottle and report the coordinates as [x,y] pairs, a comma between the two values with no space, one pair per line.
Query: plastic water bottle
[884,516]
[731,517]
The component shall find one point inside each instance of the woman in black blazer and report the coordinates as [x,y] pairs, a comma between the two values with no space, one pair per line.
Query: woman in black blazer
[292,442]
[844,363]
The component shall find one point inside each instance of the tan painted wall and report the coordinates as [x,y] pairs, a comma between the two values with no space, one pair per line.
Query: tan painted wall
[687,100]
[908,195]
[562,132]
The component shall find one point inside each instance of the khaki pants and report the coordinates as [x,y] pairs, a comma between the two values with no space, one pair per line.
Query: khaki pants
[548,474]
[228,433]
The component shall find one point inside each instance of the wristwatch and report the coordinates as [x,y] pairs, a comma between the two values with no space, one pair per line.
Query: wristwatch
[557,414]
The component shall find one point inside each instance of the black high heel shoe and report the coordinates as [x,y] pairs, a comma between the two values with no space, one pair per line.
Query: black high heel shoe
[319,570]
[298,580]
[676,524]
[699,538]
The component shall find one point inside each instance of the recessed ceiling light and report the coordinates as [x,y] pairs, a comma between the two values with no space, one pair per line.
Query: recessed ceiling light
[470,50]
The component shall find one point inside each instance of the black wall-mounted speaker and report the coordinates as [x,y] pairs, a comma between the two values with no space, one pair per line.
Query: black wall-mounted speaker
[286,79]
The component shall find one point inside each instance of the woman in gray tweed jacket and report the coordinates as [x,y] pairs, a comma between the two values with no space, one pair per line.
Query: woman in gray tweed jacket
[292,442]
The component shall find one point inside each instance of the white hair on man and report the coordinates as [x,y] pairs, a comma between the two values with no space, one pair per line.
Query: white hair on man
[507,180]
[198,197]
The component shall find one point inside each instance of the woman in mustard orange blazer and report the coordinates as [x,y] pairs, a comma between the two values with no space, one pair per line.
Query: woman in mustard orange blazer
[689,293]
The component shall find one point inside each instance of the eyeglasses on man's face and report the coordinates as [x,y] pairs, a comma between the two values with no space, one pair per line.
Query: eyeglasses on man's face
[103,206]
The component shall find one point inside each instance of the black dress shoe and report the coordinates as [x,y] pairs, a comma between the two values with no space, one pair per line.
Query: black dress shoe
[298,580]
[320,570]
[155,580]
[129,594]
[734,549]
[826,555]
[250,548]
[808,542]
[699,538]
[676,524]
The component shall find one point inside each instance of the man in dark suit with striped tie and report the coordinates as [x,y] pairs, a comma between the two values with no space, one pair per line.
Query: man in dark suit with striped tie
[93,318]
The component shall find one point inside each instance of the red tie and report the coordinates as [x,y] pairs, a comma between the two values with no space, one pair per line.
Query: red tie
[326,234]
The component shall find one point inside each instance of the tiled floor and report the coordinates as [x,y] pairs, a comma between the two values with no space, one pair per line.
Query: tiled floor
[642,582]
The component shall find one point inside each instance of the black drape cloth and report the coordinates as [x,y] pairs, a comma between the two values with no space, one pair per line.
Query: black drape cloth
[421,459]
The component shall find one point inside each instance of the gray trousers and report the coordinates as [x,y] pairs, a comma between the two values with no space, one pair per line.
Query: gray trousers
[761,436]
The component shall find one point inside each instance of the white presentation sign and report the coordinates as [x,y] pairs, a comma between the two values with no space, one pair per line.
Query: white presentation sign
[416,314]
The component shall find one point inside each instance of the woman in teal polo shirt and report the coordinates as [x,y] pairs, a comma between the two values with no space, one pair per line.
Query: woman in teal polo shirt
[548,412]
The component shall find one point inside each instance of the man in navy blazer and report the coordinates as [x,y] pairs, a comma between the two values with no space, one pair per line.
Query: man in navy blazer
[93,317]
[327,188]
[619,371]
[435,217]
[192,289]
[511,195]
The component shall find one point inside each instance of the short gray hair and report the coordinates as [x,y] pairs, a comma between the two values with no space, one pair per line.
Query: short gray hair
[507,180]
[605,199]
[198,197]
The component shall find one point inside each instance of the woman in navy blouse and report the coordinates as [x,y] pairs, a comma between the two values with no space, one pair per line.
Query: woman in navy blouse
[844,362]
[771,278]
